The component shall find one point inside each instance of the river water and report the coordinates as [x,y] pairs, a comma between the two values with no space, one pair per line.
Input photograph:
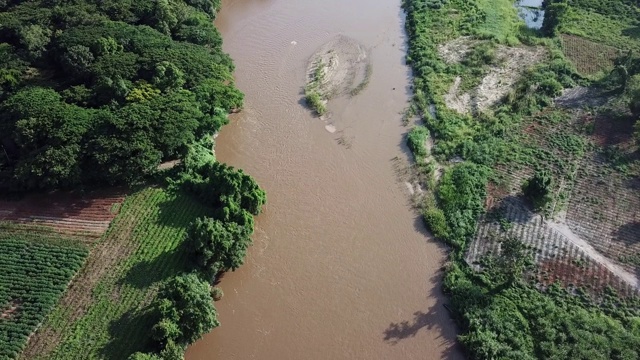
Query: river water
[531,12]
[341,267]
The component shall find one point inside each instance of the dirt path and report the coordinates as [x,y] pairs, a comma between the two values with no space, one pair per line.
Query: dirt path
[594,254]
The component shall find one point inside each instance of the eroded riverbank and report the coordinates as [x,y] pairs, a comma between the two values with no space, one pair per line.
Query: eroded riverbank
[341,267]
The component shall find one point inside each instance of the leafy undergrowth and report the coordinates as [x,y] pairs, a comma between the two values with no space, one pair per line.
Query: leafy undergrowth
[501,314]
[35,268]
[143,248]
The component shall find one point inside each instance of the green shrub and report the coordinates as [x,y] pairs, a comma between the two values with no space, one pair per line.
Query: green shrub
[538,189]
[218,245]
[436,222]
[185,311]
[416,140]
[217,293]
[461,195]
[314,100]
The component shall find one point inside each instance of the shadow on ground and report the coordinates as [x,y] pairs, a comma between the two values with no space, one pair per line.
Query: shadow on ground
[123,342]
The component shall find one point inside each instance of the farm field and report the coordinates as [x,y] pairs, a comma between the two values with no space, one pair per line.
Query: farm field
[36,268]
[614,29]
[101,314]
[537,194]
[590,58]
[593,201]
[71,213]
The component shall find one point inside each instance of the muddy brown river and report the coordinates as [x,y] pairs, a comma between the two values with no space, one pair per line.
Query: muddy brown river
[341,266]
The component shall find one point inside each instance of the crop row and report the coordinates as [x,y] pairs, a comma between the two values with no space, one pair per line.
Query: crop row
[143,248]
[35,272]
[588,56]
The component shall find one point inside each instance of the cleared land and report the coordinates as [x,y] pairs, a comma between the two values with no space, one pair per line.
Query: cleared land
[593,202]
[589,57]
[339,67]
[560,282]
[88,214]
[36,268]
[498,78]
[101,314]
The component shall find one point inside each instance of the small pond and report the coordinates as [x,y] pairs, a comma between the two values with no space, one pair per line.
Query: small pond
[531,12]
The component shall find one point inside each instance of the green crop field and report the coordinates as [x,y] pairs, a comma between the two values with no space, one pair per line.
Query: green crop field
[589,57]
[35,269]
[103,314]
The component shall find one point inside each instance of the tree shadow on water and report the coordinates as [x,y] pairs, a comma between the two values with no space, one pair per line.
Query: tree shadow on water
[406,329]
[435,319]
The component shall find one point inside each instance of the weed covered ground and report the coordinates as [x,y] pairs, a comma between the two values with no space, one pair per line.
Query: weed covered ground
[537,198]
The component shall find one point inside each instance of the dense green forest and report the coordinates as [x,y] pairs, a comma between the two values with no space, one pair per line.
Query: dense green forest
[502,313]
[101,92]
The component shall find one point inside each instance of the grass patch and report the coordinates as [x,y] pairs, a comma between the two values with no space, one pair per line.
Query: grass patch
[313,93]
[35,271]
[146,241]
[621,33]
[501,20]
[364,83]
[416,140]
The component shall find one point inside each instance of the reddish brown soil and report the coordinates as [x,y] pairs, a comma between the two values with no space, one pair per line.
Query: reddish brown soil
[87,214]
[10,310]
[589,275]
[609,131]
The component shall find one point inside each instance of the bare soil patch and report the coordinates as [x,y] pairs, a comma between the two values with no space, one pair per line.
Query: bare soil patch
[582,97]
[499,79]
[345,67]
[73,213]
[10,310]
[454,51]
[455,100]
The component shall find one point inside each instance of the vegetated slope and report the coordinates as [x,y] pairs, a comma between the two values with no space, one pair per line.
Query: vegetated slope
[508,305]
[35,269]
[100,92]
[103,314]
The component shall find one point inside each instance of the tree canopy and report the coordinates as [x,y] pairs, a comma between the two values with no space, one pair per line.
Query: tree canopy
[101,92]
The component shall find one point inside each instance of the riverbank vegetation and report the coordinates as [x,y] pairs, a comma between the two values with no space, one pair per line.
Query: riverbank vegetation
[312,91]
[520,142]
[93,94]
